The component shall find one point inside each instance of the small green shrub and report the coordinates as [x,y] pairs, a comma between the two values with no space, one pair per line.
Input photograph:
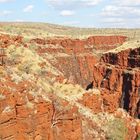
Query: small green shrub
[138,137]
[2,96]
[116,130]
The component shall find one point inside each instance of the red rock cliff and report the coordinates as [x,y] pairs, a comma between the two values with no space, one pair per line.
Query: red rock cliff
[30,110]
[76,58]
[119,77]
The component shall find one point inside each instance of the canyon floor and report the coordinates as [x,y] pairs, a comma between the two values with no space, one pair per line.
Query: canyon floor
[68,83]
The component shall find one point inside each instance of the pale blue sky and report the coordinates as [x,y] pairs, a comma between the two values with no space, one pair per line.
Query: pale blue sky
[83,13]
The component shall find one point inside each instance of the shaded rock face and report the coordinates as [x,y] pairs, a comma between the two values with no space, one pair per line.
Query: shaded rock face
[126,91]
[117,77]
[78,68]
[128,58]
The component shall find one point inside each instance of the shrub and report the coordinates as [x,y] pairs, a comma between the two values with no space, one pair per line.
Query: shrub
[138,137]
[28,61]
[2,96]
[116,130]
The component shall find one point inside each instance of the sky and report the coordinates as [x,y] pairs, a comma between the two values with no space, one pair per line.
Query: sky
[80,13]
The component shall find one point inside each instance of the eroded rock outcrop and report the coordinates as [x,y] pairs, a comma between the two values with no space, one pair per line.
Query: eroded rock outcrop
[119,77]
[23,117]
[127,59]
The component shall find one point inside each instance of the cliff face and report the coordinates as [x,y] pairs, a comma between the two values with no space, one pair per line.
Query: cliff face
[119,76]
[97,42]
[40,98]
[127,59]
[75,58]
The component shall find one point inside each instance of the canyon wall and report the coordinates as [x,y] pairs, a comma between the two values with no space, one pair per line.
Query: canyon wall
[44,102]
[76,58]
[119,77]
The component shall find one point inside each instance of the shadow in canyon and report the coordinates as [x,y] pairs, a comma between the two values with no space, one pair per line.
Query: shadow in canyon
[126,91]
[90,86]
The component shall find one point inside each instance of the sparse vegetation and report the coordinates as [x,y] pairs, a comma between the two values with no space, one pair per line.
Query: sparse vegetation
[26,60]
[29,105]
[7,109]
[2,97]
[116,129]
[26,63]
[138,137]
[32,30]
[73,91]
[129,44]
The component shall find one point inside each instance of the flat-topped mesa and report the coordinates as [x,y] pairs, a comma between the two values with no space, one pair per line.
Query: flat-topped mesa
[96,42]
[106,42]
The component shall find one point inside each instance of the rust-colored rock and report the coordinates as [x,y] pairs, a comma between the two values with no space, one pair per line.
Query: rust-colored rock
[36,109]
[117,77]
